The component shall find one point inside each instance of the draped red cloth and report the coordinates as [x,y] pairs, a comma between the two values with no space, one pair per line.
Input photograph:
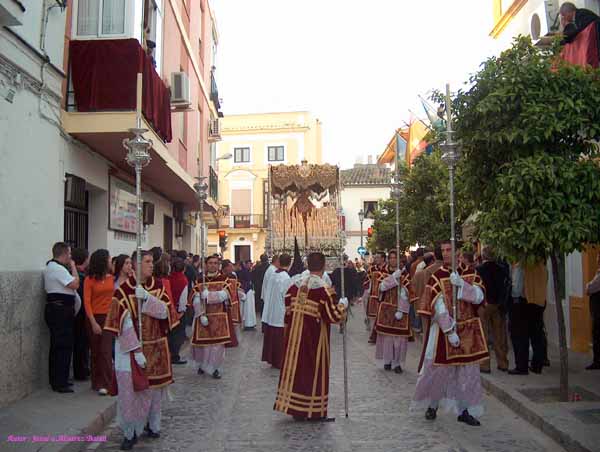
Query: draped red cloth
[583,51]
[104,74]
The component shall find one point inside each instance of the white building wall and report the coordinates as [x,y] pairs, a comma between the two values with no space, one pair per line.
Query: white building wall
[352,202]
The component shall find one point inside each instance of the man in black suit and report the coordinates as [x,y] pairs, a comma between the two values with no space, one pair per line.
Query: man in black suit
[574,20]
[257,276]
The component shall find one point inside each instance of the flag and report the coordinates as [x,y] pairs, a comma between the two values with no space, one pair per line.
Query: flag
[416,143]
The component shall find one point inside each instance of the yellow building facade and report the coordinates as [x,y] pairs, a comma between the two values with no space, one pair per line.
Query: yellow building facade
[255,142]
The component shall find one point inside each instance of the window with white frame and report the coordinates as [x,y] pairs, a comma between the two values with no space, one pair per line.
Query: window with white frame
[241,155]
[275,153]
[101,18]
[369,208]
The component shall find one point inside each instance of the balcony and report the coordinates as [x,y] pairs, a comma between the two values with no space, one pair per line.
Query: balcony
[213,184]
[243,221]
[214,94]
[113,85]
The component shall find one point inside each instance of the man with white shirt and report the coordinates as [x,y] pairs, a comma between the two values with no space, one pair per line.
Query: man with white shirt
[61,295]
[266,285]
[274,317]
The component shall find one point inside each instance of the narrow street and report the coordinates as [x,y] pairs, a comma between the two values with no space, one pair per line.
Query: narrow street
[235,413]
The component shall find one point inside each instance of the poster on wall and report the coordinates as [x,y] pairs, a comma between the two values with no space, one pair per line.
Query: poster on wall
[122,207]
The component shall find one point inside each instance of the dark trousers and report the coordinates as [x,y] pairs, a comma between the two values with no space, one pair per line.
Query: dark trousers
[59,318]
[101,346]
[595,311]
[537,335]
[176,339]
[519,334]
[81,347]
[527,326]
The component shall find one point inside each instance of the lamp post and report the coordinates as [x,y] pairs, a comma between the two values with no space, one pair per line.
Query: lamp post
[361,218]
[138,156]
[450,157]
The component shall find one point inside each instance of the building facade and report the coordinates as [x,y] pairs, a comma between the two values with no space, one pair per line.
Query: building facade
[539,19]
[363,186]
[74,78]
[254,142]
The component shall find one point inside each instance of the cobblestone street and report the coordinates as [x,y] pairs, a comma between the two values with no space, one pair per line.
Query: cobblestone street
[235,413]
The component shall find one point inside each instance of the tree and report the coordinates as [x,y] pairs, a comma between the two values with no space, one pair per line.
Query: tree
[526,127]
[384,228]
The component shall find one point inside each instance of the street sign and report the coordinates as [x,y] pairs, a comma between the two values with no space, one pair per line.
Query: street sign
[361,250]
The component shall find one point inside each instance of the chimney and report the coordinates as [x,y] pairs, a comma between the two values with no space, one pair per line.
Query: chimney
[369,159]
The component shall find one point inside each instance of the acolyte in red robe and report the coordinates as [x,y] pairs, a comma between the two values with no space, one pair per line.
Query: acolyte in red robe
[155,345]
[219,330]
[303,389]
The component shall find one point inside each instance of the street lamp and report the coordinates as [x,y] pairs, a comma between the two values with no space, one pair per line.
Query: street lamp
[138,156]
[450,157]
[361,218]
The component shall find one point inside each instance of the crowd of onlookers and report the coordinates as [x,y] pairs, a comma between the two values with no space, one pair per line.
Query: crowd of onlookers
[80,289]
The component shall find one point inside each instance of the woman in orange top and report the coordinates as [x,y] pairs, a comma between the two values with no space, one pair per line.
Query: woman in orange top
[97,297]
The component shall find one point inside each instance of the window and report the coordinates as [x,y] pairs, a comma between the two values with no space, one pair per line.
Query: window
[369,208]
[241,155]
[101,18]
[276,153]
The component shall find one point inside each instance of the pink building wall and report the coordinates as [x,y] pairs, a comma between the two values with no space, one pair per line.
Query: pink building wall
[188,148]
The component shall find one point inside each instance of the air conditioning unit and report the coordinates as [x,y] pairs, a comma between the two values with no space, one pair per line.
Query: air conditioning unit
[180,89]
[75,191]
[545,21]
[214,130]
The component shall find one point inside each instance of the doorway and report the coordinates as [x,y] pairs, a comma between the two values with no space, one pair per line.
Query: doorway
[242,253]
[168,234]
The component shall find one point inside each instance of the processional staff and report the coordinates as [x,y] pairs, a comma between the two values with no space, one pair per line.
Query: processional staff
[343,289]
[450,157]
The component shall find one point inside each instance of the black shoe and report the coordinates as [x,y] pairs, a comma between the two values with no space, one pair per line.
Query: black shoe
[64,390]
[502,369]
[200,371]
[387,367]
[535,370]
[179,362]
[593,366]
[398,369]
[151,434]
[216,375]
[546,362]
[127,444]
[430,414]
[468,419]
[518,372]
[485,371]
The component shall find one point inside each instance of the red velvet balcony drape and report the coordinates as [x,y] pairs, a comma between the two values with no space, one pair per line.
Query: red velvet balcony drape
[583,50]
[104,75]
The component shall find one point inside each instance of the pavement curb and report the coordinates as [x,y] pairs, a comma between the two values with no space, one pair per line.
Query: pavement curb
[96,426]
[522,410]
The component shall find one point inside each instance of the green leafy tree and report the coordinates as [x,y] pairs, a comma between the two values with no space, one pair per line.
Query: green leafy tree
[526,127]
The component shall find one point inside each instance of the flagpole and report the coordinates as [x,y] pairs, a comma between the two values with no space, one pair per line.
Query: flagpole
[343,290]
[396,191]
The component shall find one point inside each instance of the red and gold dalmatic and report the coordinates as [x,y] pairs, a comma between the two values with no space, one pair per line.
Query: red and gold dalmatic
[303,389]
[219,330]
[155,345]
[473,345]
[386,323]
[377,275]
[236,313]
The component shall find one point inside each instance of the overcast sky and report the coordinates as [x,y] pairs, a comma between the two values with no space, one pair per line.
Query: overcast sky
[356,65]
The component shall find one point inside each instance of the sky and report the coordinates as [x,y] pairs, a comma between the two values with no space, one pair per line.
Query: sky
[358,66]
